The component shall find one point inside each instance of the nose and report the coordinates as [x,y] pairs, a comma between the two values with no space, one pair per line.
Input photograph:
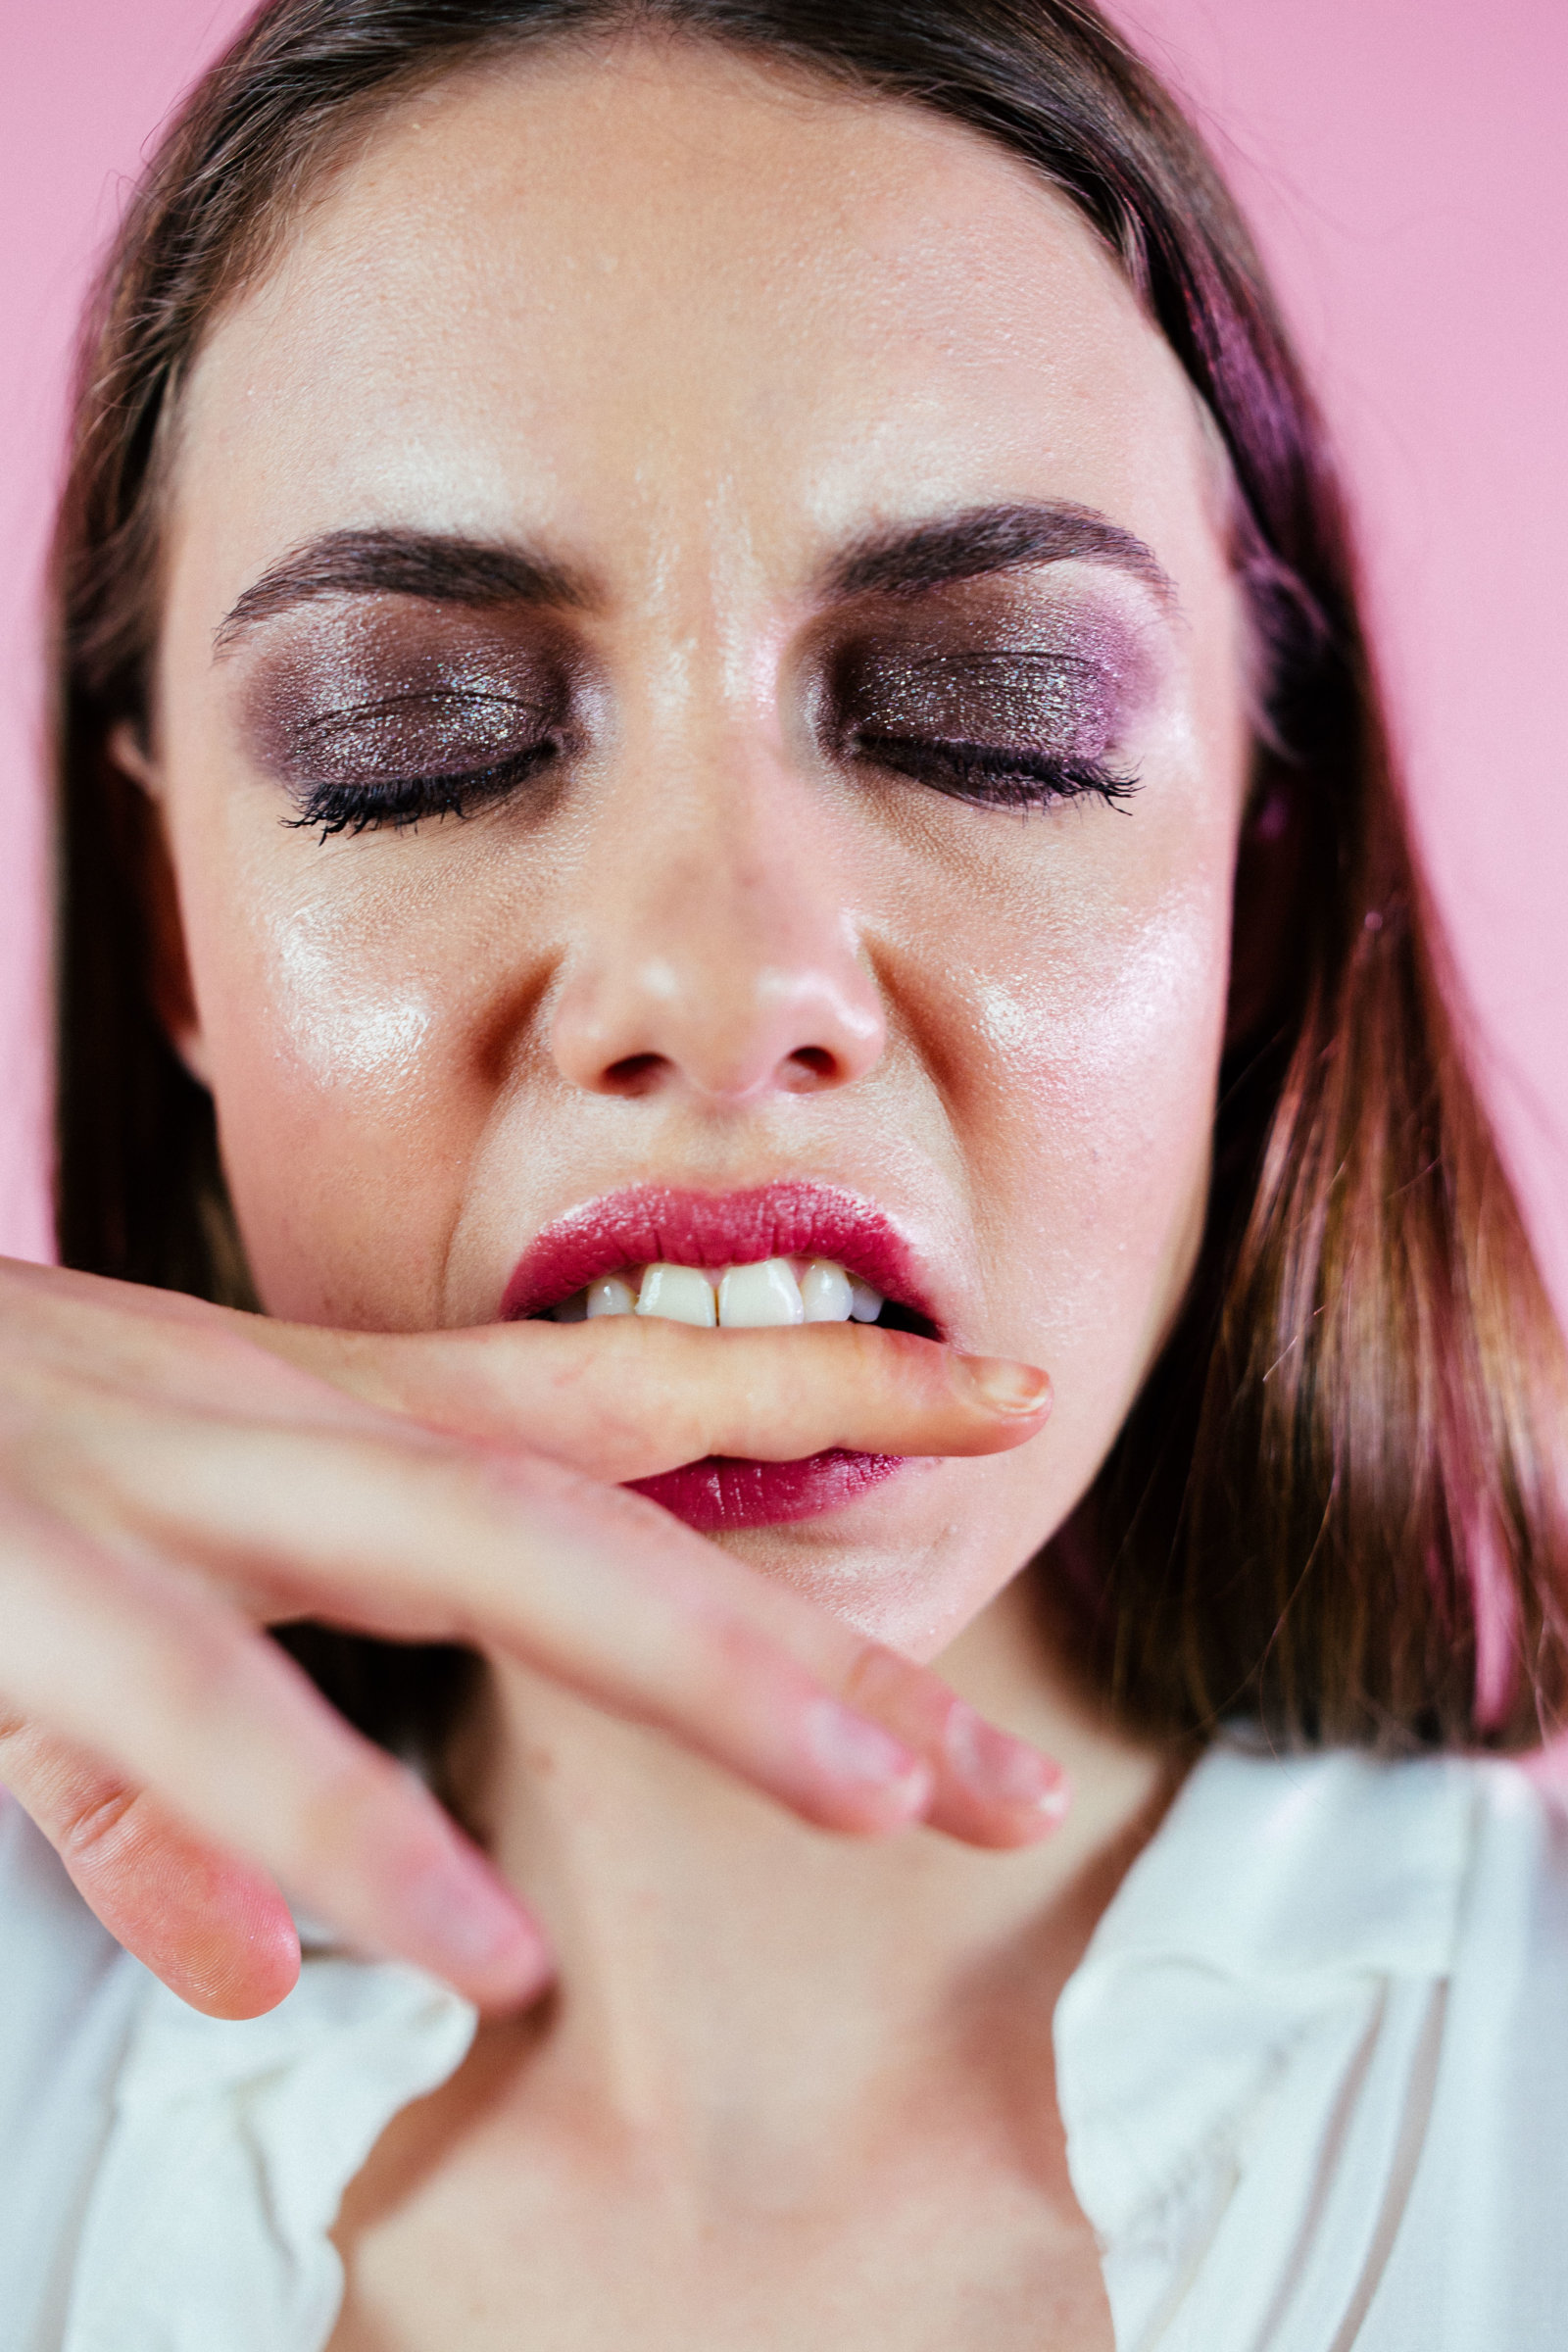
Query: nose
[718,958]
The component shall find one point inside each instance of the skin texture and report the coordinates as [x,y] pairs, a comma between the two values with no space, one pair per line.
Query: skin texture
[694,334]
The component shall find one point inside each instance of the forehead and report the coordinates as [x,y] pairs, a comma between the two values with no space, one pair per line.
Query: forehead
[644,293]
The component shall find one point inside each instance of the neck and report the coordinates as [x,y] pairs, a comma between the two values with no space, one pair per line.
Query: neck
[731,1978]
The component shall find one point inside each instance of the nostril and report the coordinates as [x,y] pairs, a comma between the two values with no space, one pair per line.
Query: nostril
[634,1074]
[814,1064]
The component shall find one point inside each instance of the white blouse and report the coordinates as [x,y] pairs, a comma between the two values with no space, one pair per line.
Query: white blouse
[1313,2070]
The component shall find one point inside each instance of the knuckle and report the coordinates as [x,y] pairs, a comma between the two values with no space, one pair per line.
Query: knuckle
[200,1671]
[86,1827]
[79,1806]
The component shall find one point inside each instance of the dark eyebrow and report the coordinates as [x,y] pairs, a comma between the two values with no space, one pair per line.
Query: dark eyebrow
[445,568]
[905,558]
[442,567]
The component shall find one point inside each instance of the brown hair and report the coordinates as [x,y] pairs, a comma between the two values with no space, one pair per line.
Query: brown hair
[1334,1507]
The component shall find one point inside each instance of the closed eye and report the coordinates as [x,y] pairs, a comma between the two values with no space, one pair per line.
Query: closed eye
[357,806]
[993,776]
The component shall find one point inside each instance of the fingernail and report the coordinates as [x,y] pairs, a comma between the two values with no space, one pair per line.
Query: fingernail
[471,1924]
[1002,1387]
[1001,1770]
[851,1748]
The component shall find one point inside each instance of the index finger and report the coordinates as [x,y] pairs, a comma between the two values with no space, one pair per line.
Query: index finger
[625,1398]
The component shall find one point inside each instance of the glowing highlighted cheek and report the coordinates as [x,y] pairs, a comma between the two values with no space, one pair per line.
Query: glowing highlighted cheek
[1135,1015]
[342,1032]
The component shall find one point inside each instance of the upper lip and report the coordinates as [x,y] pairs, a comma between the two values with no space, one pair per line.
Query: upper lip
[649,1223]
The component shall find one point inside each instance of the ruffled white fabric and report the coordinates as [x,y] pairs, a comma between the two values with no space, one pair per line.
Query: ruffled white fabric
[231,2149]
[1247,2056]
[1313,2070]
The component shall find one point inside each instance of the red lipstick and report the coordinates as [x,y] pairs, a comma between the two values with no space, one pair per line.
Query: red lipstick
[649,1223]
[725,1491]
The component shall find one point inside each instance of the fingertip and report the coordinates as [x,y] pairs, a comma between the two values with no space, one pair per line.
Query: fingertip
[466,1926]
[1031,1823]
[516,1983]
[872,1782]
[1002,1819]
[243,1986]
[1011,1392]
[236,1957]
[212,1928]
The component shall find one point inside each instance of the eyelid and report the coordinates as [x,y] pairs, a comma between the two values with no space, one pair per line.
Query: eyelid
[1089,623]
[380,673]
[1053,702]
[410,728]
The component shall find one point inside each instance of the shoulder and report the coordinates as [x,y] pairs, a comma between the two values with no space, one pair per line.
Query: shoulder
[1446,1880]
[1480,2255]
[68,1995]
[1322,2030]
[1447,1867]
[1507,2026]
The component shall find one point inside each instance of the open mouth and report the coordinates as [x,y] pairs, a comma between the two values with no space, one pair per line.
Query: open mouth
[788,1252]
[770,1293]
[792,1252]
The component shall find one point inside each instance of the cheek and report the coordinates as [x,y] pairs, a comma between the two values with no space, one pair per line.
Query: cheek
[339,1046]
[1103,1062]
[342,1022]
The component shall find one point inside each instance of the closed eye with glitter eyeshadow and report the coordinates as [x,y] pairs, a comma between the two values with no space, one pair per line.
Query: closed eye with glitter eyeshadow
[1010,726]
[371,717]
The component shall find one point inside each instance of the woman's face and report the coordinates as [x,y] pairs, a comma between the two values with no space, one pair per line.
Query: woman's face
[769,519]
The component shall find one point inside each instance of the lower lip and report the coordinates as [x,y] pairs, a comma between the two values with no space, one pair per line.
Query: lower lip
[722,1492]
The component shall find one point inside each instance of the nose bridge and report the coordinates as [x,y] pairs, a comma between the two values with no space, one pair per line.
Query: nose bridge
[715,956]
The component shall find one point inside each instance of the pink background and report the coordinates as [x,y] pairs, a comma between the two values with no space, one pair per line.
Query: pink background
[1409,171]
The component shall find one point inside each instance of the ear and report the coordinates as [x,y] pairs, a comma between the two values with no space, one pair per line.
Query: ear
[169,978]
[1267,891]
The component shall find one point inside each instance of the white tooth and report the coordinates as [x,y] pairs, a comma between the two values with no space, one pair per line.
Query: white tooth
[826,1291]
[572,1309]
[866,1304]
[677,1295]
[610,1296]
[749,1296]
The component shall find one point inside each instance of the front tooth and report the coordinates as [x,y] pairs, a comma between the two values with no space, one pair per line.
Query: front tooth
[866,1304]
[610,1296]
[751,1297]
[826,1293]
[677,1295]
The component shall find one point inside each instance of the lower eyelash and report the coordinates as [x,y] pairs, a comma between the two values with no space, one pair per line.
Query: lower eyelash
[989,777]
[354,809]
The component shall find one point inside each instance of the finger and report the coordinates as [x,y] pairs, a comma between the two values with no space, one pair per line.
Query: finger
[74,1337]
[212,1928]
[605,1592]
[988,1788]
[627,1397]
[175,1693]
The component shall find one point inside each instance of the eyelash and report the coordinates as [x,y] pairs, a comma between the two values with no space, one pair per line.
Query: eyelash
[986,777]
[354,809]
[979,774]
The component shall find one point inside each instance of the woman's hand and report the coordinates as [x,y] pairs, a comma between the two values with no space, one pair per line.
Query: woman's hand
[174,1476]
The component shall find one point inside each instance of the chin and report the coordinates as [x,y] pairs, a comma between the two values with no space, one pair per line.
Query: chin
[908,1562]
